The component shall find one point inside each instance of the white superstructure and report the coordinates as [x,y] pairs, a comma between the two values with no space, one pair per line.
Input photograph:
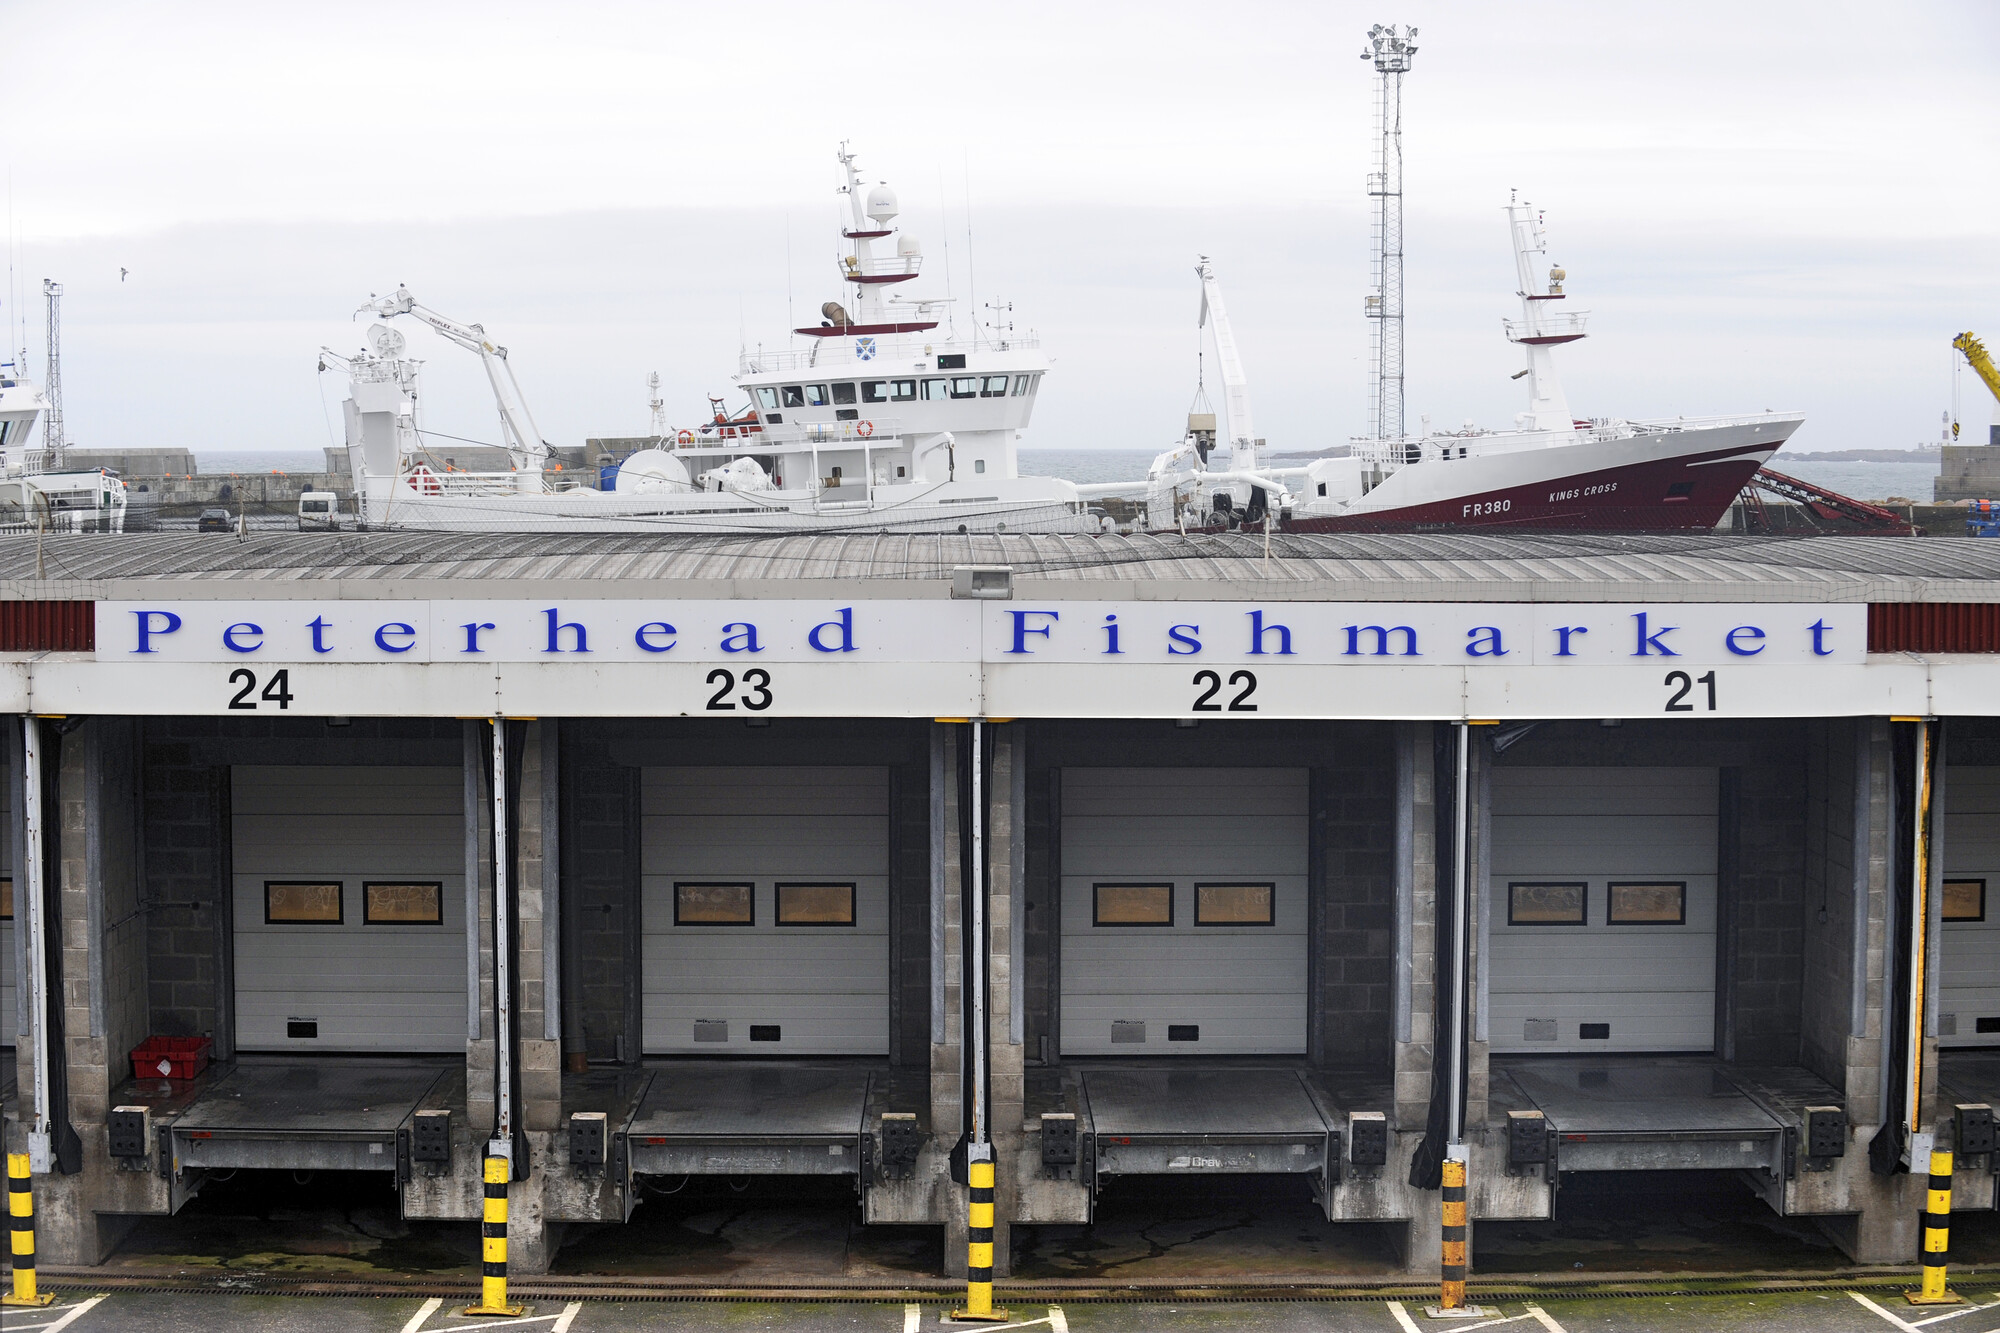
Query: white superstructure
[36,491]
[870,419]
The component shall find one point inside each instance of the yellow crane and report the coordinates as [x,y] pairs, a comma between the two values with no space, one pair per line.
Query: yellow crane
[1977,357]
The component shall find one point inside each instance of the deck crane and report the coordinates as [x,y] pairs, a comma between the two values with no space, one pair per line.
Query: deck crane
[523,438]
[1235,385]
[1981,362]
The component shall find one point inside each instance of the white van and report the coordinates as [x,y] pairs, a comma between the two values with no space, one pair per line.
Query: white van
[319,511]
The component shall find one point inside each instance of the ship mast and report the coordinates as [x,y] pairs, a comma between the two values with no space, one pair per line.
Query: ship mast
[1391,51]
[1543,325]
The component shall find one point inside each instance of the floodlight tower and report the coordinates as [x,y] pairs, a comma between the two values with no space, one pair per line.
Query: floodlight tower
[1391,50]
[52,420]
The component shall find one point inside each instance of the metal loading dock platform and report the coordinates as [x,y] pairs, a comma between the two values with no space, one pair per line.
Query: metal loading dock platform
[1663,1113]
[1231,1119]
[730,1118]
[1969,1077]
[300,1114]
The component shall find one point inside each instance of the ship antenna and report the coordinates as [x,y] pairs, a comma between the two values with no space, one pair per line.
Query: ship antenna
[1391,51]
[944,230]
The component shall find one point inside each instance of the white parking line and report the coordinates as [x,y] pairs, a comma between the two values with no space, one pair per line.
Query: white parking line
[567,1317]
[69,1315]
[1867,1304]
[1058,1322]
[1953,1314]
[1534,1312]
[425,1311]
[563,1319]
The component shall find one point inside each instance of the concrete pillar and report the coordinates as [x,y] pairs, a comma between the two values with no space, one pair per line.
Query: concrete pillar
[80,1218]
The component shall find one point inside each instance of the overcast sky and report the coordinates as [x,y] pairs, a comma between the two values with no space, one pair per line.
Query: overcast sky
[1765,205]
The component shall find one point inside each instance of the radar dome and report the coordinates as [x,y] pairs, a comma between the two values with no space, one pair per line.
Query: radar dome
[882,203]
[908,246]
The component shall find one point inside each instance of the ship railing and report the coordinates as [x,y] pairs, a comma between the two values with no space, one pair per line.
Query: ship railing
[893,354]
[748,437]
[1547,324]
[1388,455]
[883,266]
[483,483]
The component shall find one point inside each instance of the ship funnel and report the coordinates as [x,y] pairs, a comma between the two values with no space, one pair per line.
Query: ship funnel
[836,314]
[882,203]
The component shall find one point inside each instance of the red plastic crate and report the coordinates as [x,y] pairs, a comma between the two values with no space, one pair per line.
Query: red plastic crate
[170,1057]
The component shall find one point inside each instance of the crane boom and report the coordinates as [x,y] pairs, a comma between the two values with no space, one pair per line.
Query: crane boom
[1235,385]
[1981,362]
[524,438]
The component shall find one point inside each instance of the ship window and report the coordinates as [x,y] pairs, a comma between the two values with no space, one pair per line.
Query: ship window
[815,395]
[843,393]
[996,387]
[1022,383]
[903,391]
[936,390]
[968,387]
[875,391]
[978,465]
[767,398]
[794,396]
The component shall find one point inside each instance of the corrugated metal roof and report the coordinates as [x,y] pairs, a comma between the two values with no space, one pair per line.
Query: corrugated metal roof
[1417,566]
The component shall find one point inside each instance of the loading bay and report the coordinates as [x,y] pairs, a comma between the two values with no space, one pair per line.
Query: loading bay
[807,869]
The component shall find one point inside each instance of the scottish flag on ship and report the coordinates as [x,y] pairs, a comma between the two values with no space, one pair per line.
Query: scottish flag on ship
[864,349]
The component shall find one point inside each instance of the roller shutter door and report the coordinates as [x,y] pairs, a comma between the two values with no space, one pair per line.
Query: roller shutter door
[723,974]
[1969,984]
[1215,843]
[9,900]
[1590,866]
[350,908]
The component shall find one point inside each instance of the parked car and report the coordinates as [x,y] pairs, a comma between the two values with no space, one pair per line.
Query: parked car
[215,520]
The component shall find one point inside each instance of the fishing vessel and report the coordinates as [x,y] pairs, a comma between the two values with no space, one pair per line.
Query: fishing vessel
[1551,470]
[36,490]
[873,419]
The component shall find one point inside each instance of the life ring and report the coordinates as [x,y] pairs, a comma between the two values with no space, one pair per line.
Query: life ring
[864,429]
[685,437]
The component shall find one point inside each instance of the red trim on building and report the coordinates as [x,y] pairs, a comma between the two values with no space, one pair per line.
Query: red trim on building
[863,330]
[48,627]
[1934,627]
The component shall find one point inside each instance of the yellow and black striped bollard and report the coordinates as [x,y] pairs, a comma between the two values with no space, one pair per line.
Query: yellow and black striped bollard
[493,1244]
[979,1246]
[1937,1237]
[21,1224]
[1452,1293]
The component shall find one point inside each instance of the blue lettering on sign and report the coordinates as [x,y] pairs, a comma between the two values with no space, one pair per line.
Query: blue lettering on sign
[1111,636]
[1563,632]
[319,627]
[1650,643]
[645,634]
[169,622]
[1183,645]
[1258,629]
[400,631]
[229,637]
[1485,642]
[1820,629]
[846,627]
[744,640]
[557,625]
[1354,633]
[1747,632]
[473,629]
[1022,629]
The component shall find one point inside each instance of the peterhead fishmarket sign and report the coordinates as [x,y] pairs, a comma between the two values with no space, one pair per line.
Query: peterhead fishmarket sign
[614,657]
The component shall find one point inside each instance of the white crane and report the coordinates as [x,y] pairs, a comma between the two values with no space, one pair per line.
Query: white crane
[523,438]
[1235,386]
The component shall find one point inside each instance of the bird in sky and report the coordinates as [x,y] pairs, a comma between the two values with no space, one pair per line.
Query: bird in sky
[122,272]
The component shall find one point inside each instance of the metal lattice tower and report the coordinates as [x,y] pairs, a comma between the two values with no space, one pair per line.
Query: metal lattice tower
[1391,50]
[52,419]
